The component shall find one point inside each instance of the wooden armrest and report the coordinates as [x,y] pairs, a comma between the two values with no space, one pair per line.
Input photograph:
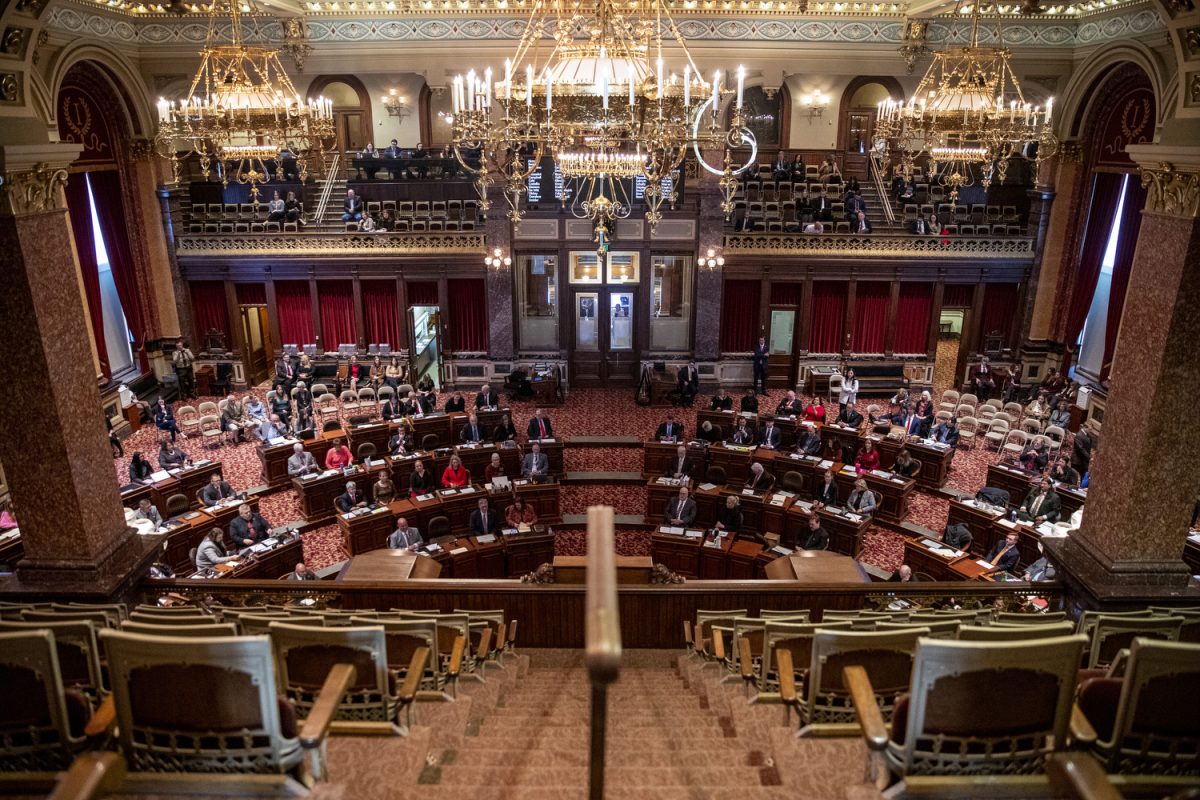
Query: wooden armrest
[500,633]
[1117,668]
[787,676]
[866,707]
[485,640]
[90,775]
[687,634]
[747,660]
[412,681]
[456,657]
[1082,731]
[718,643]
[512,633]
[325,707]
[1079,775]
[103,718]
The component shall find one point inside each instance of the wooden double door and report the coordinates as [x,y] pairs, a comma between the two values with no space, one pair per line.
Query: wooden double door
[604,335]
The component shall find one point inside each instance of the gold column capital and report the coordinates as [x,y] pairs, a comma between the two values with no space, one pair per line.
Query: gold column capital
[34,177]
[1172,191]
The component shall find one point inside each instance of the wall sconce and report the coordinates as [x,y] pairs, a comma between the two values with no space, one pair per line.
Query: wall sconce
[395,105]
[816,103]
[497,259]
[446,118]
[712,260]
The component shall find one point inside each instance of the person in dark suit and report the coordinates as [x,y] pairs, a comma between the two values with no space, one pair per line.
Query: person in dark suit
[850,417]
[164,419]
[860,223]
[487,398]
[216,490]
[1042,504]
[505,431]
[472,432]
[816,537]
[352,207]
[1062,472]
[809,443]
[671,429]
[749,404]
[957,536]
[681,510]
[1004,555]
[947,432]
[394,408]
[680,466]
[759,480]
[770,435]
[729,516]
[350,499]
[688,384]
[762,354]
[456,402]
[921,227]
[484,520]
[790,406]
[743,433]
[903,575]
[285,373]
[539,426]
[721,401]
[170,456]
[248,527]
[421,481]
[827,490]
[535,466]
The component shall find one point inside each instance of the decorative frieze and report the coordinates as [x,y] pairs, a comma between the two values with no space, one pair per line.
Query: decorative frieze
[1009,248]
[334,244]
[32,191]
[1171,191]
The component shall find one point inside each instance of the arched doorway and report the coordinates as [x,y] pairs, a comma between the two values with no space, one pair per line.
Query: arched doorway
[856,119]
[352,121]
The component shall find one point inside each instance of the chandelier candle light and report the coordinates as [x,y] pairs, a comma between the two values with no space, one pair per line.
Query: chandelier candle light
[604,107]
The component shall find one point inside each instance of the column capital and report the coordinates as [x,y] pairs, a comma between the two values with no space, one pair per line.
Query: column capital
[34,176]
[1171,177]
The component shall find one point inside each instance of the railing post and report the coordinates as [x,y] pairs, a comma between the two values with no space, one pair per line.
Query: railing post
[602,633]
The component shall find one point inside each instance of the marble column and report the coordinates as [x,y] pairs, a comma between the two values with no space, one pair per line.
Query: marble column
[1145,477]
[710,283]
[499,281]
[1041,201]
[60,466]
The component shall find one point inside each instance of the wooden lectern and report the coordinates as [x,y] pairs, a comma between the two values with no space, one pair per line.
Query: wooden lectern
[389,565]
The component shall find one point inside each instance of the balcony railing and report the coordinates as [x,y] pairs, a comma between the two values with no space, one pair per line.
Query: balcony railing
[880,245]
[330,244]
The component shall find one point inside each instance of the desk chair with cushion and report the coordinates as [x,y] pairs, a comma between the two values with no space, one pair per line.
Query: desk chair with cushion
[716,475]
[429,442]
[365,451]
[792,482]
[177,504]
[331,425]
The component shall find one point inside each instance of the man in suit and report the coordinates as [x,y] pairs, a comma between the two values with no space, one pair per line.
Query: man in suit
[300,462]
[850,417]
[762,354]
[1081,448]
[1004,555]
[1042,504]
[248,527]
[749,404]
[146,510]
[680,466]
[759,480]
[743,433]
[671,429]
[394,408]
[681,510]
[273,428]
[860,223]
[1041,569]
[721,401]
[484,520]
[958,536]
[770,436]
[783,168]
[947,432]
[822,208]
[352,208]
[487,398]
[285,372]
[216,490]
[472,432]
[421,481]
[809,443]
[350,499]
[920,226]
[688,384]
[404,537]
[816,537]
[827,490]
[539,426]
[233,418]
[302,573]
[862,499]
[535,466]
[789,406]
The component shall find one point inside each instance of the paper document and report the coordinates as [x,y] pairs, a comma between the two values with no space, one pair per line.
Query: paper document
[691,534]
[707,486]
[458,551]
[673,530]
[984,564]
[487,538]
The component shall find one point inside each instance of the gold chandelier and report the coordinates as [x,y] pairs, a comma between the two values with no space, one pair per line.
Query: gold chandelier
[603,105]
[241,114]
[968,115]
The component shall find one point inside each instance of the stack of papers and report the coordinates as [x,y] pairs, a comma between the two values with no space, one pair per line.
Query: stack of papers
[707,486]
[826,464]
[984,564]
[671,530]
[487,538]
[691,534]
[458,551]
[940,549]
[781,550]
[466,490]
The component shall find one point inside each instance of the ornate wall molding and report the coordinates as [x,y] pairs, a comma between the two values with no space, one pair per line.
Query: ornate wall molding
[1017,247]
[1171,191]
[332,245]
[36,190]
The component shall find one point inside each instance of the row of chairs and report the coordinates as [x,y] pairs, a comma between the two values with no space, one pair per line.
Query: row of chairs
[208,218]
[464,210]
[977,213]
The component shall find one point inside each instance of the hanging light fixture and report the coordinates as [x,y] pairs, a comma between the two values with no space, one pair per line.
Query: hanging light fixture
[241,111]
[968,115]
[605,107]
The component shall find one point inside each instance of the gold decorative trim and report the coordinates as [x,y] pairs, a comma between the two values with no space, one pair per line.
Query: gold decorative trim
[35,190]
[880,246]
[141,150]
[383,244]
[1171,192]
[1070,152]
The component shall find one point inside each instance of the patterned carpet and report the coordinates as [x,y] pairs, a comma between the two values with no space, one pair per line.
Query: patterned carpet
[594,412]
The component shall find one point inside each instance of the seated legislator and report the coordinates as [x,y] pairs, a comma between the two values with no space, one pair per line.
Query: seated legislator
[140,469]
[707,433]
[394,408]
[404,537]
[815,537]
[494,469]
[505,431]
[867,459]
[421,481]
[147,511]
[302,573]
[770,436]
[749,402]
[171,456]
[905,465]
[539,426]
[487,398]
[472,432]
[957,536]
[815,411]
[850,417]
[484,520]
[303,424]
[535,466]
[862,499]
[400,443]
[743,433]
[827,490]
[809,443]
[681,509]
[300,462]
[671,430]
[921,420]
[456,402]
[384,491]
[790,406]
[338,456]
[680,466]
[350,499]
[209,552]
[248,527]
[1062,472]
[1042,504]
[273,428]
[1004,555]
[759,480]
[721,401]
[729,516]
[946,433]
[520,513]
[455,476]
[216,490]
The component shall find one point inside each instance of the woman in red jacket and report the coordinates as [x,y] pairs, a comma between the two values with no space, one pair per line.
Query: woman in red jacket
[868,458]
[455,475]
[338,456]
[815,411]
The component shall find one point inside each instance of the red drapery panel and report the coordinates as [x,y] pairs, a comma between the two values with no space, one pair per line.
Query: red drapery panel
[85,247]
[422,293]
[251,294]
[785,294]
[958,295]
[999,306]
[739,315]
[110,215]
[337,313]
[912,317]
[871,300]
[1106,193]
[1130,226]
[294,307]
[828,317]
[379,311]
[468,314]
[209,311]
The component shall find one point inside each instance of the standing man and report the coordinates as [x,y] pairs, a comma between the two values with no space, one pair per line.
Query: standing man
[761,355]
[185,374]
[688,384]
[285,373]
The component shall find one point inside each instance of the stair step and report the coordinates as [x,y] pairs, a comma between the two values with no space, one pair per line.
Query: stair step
[696,756]
[710,778]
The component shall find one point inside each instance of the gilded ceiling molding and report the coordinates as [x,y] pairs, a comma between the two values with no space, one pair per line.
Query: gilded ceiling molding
[1171,191]
[35,190]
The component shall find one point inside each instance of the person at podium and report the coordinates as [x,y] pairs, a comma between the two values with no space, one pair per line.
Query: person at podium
[484,520]
[520,513]
[681,510]
[404,537]
[421,481]
[816,537]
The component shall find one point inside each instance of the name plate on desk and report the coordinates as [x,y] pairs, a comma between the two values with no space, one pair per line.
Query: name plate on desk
[693,534]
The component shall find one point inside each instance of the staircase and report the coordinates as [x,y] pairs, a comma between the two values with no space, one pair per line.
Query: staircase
[879,222]
[331,220]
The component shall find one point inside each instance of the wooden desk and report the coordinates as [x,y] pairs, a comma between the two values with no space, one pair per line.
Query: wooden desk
[714,561]
[271,565]
[317,492]
[187,530]
[981,523]
[922,558]
[457,505]
[743,559]
[488,420]
[377,433]
[273,458]
[891,493]
[525,552]
[968,569]
[1012,479]
[187,482]
[656,454]
[543,497]
[546,389]
[843,443]
[476,459]
[389,565]
[845,533]
[817,566]
[438,424]
[418,512]
[935,460]
[734,459]
[679,553]
[132,494]
[366,529]
[725,420]
[631,570]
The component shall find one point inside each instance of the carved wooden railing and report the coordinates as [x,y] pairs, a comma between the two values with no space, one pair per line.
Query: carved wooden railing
[308,244]
[880,245]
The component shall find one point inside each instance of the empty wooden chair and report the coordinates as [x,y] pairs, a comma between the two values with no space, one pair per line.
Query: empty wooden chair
[1023,618]
[1013,633]
[936,629]
[794,637]
[187,631]
[78,653]
[177,620]
[99,617]
[1111,635]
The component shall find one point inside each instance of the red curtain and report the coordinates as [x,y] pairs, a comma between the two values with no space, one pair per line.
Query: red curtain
[209,311]
[1106,193]
[999,306]
[251,294]
[85,247]
[337,313]
[739,316]
[912,317]
[785,294]
[958,295]
[422,293]
[1130,226]
[828,317]
[468,314]
[871,300]
[379,310]
[110,215]
[294,307]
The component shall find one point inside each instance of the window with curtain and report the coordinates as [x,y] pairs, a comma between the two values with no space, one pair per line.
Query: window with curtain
[468,314]
[739,316]
[293,304]
[1094,336]
[117,336]
[871,300]
[209,312]
[670,302]
[380,313]
[828,317]
[912,318]
[537,279]
[336,299]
